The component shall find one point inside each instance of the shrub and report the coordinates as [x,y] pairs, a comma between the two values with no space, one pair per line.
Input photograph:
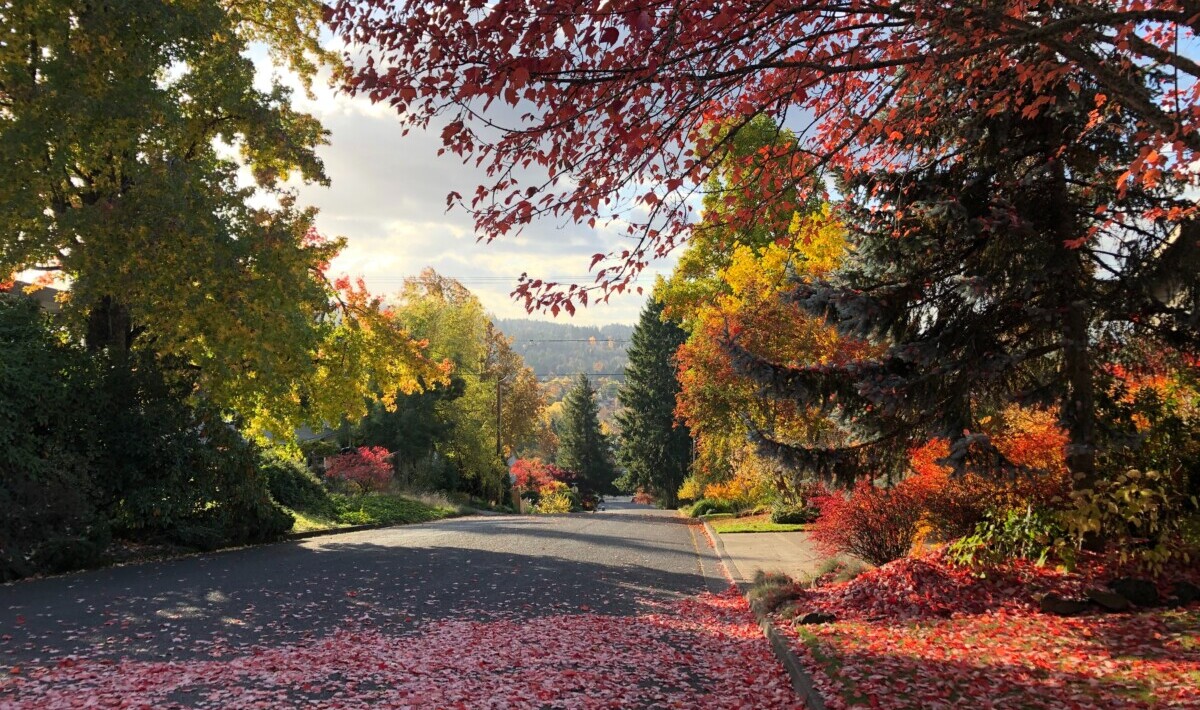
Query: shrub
[292,484]
[557,498]
[705,506]
[1032,534]
[535,476]
[690,490]
[366,468]
[643,497]
[793,514]
[50,519]
[1141,514]
[874,524]
[1029,438]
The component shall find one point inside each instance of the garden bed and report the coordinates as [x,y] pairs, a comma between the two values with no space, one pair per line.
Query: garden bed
[373,509]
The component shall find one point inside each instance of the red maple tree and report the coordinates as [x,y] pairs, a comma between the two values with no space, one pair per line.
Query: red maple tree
[606,106]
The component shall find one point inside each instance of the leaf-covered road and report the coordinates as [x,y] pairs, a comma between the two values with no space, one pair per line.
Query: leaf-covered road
[625,608]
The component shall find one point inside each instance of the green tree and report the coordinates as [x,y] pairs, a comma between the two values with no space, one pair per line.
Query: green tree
[133,136]
[582,447]
[654,449]
[463,423]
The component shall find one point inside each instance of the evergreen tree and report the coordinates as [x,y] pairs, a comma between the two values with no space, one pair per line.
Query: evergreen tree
[983,272]
[583,448]
[654,449]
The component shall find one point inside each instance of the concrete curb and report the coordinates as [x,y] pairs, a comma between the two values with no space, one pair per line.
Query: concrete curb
[802,681]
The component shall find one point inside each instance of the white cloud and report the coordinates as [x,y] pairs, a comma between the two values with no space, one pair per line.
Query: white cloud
[388,198]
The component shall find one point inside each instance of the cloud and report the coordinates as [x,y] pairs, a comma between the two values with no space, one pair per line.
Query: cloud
[388,198]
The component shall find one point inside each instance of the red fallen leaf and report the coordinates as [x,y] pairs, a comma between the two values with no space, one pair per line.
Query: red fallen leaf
[584,607]
[352,594]
[15,670]
[20,620]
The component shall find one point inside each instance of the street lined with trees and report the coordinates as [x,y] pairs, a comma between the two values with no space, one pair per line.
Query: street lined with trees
[936,309]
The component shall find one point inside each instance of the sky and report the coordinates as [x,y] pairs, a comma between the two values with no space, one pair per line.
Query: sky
[388,198]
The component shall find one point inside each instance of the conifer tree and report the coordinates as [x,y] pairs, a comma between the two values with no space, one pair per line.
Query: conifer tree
[654,449]
[583,448]
[984,269]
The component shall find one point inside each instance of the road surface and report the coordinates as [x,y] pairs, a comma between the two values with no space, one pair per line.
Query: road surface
[622,608]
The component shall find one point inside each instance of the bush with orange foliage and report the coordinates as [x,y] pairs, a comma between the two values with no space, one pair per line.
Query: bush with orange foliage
[1028,438]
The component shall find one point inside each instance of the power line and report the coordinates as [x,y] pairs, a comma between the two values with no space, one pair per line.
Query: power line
[575,340]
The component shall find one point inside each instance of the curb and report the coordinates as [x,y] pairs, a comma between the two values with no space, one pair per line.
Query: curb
[802,681]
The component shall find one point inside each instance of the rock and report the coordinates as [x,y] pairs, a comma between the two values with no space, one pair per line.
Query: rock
[1111,601]
[1139,591]
[815,617]
[1054,604]
[1185,593]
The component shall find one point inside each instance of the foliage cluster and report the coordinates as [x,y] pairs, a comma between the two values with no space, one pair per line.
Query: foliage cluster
[707,506]
[557,497]
[455,437]
[96,448]
[366,469]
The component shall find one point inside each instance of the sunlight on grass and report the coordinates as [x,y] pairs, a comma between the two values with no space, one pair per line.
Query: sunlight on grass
[375,509]
[753,523]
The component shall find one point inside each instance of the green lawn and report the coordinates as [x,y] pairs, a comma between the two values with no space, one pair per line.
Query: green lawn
[372,509]
[753,523]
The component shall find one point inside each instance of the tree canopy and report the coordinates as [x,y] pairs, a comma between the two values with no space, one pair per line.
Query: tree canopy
[132,139]
[608,102]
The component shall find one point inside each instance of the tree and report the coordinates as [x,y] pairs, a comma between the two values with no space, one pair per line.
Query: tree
[582,447]
[989,279]
[654,449]
[488,375]
[728,281]
[127,132]
[611,99]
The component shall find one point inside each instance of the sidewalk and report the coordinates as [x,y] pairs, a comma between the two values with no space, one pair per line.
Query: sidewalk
[793,553]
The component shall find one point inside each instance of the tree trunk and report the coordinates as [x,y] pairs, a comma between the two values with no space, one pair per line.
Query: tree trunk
[109,328]
[1080,413]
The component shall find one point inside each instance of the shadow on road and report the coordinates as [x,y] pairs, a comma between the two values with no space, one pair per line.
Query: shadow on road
[292,591]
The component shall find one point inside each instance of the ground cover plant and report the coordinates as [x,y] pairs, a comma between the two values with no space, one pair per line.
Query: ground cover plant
[754,523]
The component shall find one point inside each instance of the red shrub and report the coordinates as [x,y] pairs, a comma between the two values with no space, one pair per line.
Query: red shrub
[534,475]
[368,467]
[643,497]
[874,524]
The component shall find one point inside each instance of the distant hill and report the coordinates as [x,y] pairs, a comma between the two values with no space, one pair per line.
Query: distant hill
[564,350]
[558,352]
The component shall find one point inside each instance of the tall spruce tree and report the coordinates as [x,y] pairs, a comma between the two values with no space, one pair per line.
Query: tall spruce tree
[1001,263]
[582,447]
[654,449]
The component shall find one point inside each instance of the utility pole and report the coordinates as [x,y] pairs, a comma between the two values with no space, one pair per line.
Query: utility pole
[499,448]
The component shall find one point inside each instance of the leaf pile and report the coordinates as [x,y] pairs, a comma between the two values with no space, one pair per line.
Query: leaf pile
[920,632]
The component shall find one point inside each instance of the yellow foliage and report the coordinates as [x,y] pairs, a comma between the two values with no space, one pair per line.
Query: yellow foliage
[690,489]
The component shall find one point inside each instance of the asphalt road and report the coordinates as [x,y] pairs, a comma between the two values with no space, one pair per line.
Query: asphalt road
[623,563]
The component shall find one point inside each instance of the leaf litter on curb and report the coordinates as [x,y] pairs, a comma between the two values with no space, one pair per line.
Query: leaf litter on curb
[699,652]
